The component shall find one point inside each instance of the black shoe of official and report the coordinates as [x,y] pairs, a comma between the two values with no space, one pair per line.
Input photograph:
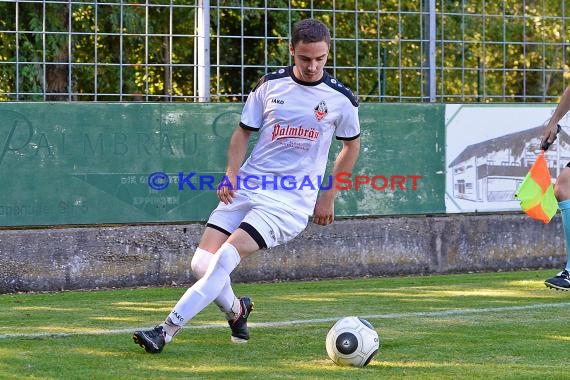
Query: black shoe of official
[152,341]
[559,282]
[240,332]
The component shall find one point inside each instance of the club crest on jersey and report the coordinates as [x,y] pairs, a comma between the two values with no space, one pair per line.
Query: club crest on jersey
[321,110]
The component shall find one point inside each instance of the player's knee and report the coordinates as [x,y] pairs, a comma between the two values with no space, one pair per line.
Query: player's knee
[200,262]
[562,186]
[558,192]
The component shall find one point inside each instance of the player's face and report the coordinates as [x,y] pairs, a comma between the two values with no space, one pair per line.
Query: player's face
[310,59]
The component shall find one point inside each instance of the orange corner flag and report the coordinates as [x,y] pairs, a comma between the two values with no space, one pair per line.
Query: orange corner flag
[536,193]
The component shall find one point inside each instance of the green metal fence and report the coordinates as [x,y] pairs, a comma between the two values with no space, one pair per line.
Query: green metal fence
[200,50]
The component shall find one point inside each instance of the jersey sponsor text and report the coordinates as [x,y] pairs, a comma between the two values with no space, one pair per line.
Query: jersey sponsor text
[300,132]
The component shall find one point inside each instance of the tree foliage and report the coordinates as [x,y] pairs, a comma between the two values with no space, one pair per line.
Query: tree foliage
[126,51]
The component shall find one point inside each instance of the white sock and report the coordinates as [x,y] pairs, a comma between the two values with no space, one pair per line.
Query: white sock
[170,329]
[235,310]
[208,288]
[227,300]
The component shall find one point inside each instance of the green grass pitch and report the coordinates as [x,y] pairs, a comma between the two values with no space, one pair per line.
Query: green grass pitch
[471,326]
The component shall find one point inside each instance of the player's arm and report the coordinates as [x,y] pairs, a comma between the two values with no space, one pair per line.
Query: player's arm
[236,154]
[562,109]
[323,213]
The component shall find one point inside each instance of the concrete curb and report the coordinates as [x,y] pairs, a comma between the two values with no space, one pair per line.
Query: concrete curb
[125,256]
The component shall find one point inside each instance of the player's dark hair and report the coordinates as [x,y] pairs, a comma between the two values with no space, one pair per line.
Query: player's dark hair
[310,30]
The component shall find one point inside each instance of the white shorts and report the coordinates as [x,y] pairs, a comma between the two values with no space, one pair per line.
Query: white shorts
[275,221]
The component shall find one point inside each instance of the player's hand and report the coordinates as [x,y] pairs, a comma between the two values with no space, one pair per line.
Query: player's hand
[550,134]
[225,191]
[323,213]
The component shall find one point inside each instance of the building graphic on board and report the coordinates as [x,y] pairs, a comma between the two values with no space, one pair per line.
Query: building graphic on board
[491,170]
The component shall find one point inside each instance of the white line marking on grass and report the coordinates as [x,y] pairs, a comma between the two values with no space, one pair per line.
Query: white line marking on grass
[440,313]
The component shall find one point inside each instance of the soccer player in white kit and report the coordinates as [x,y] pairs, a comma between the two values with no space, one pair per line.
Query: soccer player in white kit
[268,199]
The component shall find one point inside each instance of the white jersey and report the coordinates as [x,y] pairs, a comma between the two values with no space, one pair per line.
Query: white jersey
[296,121]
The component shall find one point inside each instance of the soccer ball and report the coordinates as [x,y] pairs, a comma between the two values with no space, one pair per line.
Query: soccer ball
[352,341]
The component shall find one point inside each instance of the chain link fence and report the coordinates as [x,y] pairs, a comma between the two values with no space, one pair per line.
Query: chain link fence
[199,50]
